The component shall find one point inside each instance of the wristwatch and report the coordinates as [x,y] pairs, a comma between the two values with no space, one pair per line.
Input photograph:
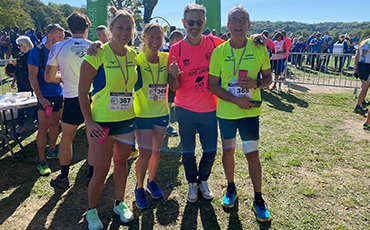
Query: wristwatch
[258,83]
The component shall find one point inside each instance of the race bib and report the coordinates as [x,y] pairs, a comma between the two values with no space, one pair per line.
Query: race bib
[237,91]
[119,101]
[158,94]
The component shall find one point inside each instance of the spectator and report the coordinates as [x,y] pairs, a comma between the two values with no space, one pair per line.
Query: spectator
[270,43]
[316,44]
[214,32]
[277,58]
[328,41]
[351,48]
[341,58]
[300,46]
[67,35]
[102,33]
[31,34]
[21,76]
[5,45]
[13,38]
[224,37]
[309,49]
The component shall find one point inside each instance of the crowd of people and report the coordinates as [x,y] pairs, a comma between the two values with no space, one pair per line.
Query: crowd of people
[122,95]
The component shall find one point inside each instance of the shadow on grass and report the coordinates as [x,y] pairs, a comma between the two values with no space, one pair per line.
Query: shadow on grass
[207,215]
[234,222]
[275,100]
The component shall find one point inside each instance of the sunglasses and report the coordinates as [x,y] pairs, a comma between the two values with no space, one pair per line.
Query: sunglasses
[191,23]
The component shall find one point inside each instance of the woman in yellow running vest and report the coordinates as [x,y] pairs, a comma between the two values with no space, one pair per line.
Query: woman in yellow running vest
[110,115]
[151,110]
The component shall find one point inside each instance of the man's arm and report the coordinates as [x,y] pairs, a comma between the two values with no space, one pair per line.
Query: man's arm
[51,75]
[33,71]
[173,78]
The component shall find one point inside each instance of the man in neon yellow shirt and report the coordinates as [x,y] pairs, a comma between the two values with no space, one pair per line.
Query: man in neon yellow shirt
[236,64]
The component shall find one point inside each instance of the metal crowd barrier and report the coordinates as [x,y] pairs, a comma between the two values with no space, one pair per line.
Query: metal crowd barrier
[322,69]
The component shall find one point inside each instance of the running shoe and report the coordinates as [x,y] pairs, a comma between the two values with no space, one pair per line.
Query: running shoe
[61,183]
[140,196]
[43,168]
[20,129]
[229,199]
[134,153]
[53,155]
[93,220]
[260,209]
[366,125]
[365,104]
[153,189]
[360,110]
[204,189]
[193,192]
[123,211]
[170,131]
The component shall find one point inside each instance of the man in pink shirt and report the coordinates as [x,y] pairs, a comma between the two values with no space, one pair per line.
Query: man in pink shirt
[270,43]
[195,104]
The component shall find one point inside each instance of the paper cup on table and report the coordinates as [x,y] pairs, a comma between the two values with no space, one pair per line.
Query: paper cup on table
[12,99]
[104,138]
[49,111]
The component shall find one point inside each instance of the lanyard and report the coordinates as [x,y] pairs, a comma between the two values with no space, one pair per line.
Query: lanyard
[241,58]
[124,77]
[151,73]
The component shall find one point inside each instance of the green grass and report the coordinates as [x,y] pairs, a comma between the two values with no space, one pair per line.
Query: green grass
[314,155]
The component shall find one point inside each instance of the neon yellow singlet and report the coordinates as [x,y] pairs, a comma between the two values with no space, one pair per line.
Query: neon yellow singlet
[222,65]
[151,99]
[110,82]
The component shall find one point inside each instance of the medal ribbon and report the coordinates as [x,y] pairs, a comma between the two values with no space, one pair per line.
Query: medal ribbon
[241,58]
[124,77]
[151,73]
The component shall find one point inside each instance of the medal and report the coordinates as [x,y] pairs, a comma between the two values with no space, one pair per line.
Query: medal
[155,97]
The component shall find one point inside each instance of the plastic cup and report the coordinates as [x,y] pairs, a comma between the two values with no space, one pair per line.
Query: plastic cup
[49,111]
[104,138]
[242,75]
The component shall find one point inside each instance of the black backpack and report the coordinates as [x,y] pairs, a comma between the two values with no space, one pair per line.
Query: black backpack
[41,63]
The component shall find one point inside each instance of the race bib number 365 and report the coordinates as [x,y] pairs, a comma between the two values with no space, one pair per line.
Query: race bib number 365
[119,101]
[237,91]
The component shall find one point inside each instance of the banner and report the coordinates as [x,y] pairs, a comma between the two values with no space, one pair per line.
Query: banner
[213,14]
[97,11]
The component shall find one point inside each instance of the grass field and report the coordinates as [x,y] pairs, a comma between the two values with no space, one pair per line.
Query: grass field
[316,171]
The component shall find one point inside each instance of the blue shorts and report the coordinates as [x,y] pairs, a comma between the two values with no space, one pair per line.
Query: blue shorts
[119,127]
[248,128]
[147,123]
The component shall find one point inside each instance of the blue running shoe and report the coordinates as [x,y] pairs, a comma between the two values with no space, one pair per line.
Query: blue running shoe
[154,190]
[366,125]
[141,201]
[262,214]
[229,199]
[359,110]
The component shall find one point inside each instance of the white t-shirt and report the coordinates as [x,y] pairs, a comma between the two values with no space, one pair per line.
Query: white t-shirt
[69,55]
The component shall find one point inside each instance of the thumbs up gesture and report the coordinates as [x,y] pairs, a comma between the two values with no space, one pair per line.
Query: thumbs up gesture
[174,67]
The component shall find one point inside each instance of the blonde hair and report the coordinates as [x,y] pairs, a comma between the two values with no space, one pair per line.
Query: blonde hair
[124,13]
[148,27]
[25,41]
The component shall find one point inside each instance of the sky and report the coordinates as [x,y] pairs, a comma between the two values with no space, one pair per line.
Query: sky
[313,11]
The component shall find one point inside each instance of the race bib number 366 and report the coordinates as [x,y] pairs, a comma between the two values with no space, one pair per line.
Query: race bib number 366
[119,101]
[158,93]
[237,91]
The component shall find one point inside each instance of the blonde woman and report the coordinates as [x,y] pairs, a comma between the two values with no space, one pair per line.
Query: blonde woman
[151,110]
[113,75]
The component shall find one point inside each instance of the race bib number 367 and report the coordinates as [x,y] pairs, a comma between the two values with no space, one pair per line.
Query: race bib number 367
[119,101]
